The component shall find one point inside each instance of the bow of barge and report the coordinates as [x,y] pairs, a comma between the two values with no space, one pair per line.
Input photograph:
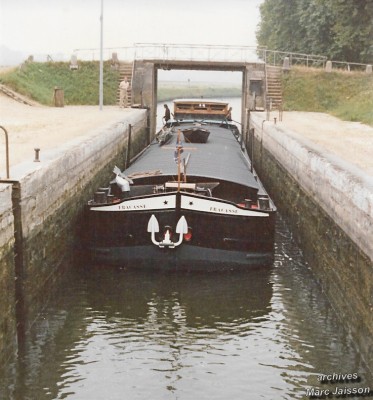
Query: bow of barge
[191,200]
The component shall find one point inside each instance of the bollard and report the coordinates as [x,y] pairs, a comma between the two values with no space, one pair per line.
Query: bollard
[286,64]
[74,62]
[328,66]
[37,155]
[58,97]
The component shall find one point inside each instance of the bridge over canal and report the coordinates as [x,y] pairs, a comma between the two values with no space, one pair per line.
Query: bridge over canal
[148,59]
[261,70]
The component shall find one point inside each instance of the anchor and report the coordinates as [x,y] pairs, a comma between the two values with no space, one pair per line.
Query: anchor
[181,229]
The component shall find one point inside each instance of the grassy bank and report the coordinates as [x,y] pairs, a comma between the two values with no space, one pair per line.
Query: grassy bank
[169,91]
[346,95]
[38,80]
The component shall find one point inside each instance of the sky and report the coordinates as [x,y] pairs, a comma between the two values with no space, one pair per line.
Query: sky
[58,27]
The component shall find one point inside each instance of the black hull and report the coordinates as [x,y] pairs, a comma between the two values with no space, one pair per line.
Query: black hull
[189,258]
[119,234]
[188,206]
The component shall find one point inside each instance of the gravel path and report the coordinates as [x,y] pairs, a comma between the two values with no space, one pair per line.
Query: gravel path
[47,127]
[351,141]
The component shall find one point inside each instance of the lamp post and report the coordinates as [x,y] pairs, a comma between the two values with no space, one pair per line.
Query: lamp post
[101,85]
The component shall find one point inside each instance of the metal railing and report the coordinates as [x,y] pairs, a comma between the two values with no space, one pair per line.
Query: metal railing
[349,66]
[275,57]
[126,53]
[200,52]
[6,151]
[191,52]
[171,52]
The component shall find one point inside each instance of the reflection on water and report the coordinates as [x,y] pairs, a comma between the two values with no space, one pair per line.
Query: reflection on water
[115,334]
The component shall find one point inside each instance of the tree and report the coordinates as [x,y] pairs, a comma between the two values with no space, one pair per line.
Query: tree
[339,29]
[317,20]
[353,30]
[279,28]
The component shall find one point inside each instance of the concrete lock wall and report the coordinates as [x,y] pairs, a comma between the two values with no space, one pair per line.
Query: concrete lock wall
[48,211]
[144,88]
[254,86]
[145,81]
[7,284]
[329,206]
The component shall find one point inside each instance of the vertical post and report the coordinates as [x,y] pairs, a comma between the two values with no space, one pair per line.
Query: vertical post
[178,159]
[6,151]
[101,88]
[148,125]
[247,130]
[21,317]
[37,159]
[252,133]
[128,156]
[244,95]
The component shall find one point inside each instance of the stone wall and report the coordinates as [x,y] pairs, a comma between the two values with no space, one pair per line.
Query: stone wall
[7,285]
[329,207]
[48,203]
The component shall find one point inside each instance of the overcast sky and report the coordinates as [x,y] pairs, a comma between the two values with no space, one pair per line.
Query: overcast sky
[60,26]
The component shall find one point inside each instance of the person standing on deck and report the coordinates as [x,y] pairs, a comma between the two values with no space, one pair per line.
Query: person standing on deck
[123,95]
[167,114]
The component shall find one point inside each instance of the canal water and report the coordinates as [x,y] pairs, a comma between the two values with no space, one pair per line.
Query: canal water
[115,333]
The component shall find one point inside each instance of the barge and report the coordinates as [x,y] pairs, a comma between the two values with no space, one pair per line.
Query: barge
[191,200]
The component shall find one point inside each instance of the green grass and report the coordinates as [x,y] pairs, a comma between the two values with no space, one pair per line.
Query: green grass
[38,80]
[346,95]
[166,91]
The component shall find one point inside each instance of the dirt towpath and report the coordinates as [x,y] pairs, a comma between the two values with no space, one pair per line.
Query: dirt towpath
[351,141]
[47,127]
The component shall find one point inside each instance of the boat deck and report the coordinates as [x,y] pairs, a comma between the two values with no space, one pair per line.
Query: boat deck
[221,158]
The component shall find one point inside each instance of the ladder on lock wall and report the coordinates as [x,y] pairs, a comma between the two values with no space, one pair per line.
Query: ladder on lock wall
[125,71]
[274,88]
